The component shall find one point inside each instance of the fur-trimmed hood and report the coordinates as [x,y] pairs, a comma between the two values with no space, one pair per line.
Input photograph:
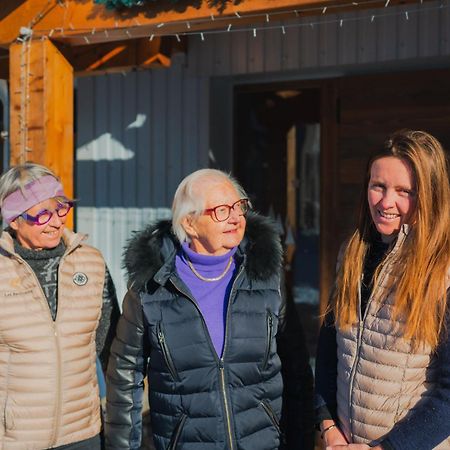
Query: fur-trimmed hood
[149,250]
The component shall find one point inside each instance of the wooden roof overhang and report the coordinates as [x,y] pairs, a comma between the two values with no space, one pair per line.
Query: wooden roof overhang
[95,39]
[71,20]
[46,42]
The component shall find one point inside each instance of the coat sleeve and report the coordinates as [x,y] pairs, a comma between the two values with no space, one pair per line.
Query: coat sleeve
[326,372]
[297,418]
[325,401]
[108,320]
[125,378]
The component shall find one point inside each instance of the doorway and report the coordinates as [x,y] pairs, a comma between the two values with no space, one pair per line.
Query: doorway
[277,131]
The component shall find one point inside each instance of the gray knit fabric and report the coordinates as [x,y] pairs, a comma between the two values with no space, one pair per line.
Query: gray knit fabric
[45,264]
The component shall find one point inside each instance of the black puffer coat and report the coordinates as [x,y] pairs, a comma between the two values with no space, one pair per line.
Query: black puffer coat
[199,401]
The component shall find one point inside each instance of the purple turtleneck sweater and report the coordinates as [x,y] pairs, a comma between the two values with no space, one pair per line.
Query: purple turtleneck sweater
[211,296]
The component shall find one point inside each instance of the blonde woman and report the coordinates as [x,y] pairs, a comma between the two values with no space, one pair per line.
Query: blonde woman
[58,312]
[383,366]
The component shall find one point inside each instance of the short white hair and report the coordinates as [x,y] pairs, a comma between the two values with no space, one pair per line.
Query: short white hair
[189,197]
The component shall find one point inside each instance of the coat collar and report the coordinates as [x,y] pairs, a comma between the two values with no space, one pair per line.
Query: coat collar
[71,240]
[150,254]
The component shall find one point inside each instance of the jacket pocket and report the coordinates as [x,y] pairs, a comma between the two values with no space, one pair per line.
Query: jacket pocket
[269,336]
[272,416]
[176,433]
[166,353]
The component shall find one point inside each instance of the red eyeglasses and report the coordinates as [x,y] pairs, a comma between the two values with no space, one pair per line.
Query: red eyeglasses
[222,212]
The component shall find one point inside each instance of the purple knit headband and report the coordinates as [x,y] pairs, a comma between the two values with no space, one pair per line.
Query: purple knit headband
[34,192]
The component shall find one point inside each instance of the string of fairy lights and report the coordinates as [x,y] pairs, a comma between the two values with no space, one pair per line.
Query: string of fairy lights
[24,100]
[274,20]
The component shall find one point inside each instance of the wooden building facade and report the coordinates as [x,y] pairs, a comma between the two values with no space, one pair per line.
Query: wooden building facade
[357,75]
[292,105]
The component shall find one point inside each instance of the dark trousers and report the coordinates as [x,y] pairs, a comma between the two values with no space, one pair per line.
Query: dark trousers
[88,444]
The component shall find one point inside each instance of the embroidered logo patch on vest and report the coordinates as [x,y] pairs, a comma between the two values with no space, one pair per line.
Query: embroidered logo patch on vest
[80,279]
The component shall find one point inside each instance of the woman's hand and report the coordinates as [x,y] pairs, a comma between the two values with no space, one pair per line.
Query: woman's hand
[334,439]
[332,435]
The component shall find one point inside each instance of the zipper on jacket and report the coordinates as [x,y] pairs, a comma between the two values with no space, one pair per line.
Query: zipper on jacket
[225,402]
[5,421]
[165,349]
[272,416]
[361,324]
[176,433]
[58,391]
[269,323]
[58,407]
[221,362]
[5,406]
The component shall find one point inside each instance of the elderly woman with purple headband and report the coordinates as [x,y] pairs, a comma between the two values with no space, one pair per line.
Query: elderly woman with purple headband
[58,312]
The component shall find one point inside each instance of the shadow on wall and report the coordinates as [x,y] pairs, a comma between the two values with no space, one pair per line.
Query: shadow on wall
[111,172]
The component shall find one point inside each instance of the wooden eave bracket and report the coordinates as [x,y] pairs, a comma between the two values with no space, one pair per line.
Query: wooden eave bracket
[122,55]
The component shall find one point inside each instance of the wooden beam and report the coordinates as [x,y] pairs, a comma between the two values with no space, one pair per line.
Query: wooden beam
[122,55]
[41,112]
[82,22]
[16,14]
[291,190]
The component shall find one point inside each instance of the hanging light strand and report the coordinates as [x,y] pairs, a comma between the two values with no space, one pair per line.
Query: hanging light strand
[268,25]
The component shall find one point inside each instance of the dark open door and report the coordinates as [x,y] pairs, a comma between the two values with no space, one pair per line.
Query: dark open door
[277,159]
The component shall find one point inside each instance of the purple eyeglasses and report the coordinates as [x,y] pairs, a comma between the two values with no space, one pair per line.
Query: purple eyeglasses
[44,216]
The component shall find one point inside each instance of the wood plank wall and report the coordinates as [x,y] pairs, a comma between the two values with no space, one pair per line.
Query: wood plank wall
[372,107]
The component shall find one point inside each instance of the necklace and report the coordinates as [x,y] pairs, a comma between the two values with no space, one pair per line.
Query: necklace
[191,266]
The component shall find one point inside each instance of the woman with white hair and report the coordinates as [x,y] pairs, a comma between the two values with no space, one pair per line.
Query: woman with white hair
[202,318]
[59,311]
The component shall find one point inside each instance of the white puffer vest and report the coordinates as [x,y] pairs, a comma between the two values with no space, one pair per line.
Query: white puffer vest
[48,383]
[380,376]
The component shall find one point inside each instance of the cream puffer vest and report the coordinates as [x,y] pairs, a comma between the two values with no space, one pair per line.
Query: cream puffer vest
[48,385]
[380,376]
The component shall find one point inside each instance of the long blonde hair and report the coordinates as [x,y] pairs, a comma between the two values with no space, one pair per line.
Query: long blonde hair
[424,259]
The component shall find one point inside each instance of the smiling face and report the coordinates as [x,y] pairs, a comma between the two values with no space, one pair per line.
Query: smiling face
[207,235]
[391,195]
[38,237]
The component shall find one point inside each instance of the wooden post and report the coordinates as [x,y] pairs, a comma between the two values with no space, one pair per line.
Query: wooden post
[41,113]
[291,190]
